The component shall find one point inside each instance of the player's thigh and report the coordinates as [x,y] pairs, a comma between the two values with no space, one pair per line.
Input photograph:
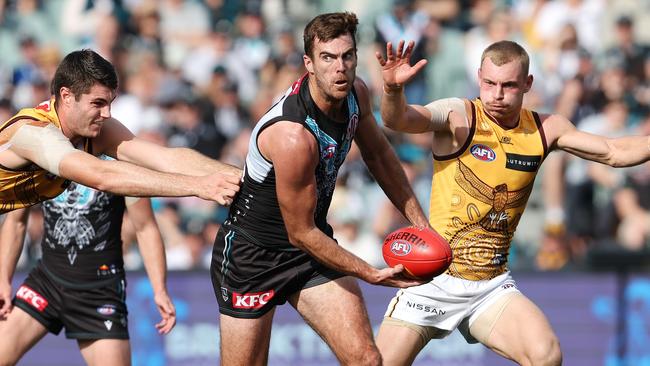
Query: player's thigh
[336,311]
[19,332]
[412,338]
[97,352]
[245,341]
[517,329]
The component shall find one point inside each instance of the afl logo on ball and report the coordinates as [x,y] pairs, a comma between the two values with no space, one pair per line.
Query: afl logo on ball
[483,153]
[400,248]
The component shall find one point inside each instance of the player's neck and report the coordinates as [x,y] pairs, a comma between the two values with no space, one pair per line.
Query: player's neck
[67,132]
[509,123]
[506,122]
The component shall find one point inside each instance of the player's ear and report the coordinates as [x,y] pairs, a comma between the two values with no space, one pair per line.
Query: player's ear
[309,65]
[529,83]
[66,95]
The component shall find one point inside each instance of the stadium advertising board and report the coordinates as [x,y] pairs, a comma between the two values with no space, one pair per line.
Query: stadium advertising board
[583,309]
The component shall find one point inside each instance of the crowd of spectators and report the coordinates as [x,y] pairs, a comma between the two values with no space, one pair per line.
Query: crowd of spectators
[199,73]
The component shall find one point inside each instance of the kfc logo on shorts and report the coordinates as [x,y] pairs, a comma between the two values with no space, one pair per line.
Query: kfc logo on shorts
[483,153]
[400,248]
[32,297]
[254,300]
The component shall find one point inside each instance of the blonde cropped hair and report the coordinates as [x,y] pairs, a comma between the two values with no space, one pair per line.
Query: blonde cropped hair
[502,52]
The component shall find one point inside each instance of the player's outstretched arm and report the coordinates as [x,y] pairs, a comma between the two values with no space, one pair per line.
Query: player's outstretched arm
[12,236]
[294,163]
[616,152]
[152,250]
[120,143]
[128,179]
[383,163]
[46,146]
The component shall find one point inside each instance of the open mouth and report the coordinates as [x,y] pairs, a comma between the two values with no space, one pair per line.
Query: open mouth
[341,83]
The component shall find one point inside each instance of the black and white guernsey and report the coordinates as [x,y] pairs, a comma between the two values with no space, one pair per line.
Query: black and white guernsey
[82,238]
[255,212]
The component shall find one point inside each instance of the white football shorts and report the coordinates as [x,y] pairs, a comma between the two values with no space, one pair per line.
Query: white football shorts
[449,302]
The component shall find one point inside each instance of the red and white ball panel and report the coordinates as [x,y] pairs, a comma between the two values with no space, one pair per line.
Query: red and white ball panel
[423,252]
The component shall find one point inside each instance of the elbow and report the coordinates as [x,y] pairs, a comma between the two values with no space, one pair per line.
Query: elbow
[103,185]
[102,180]
[93,173]
[620,156]
[298,238]
[390,123]
[615,162]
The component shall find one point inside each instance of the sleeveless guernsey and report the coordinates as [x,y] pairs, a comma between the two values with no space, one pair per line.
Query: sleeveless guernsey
[82,239]
[479,193]
[30,185]
[255,212]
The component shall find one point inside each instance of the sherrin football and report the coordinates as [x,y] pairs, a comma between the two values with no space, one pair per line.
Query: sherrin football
[423,252]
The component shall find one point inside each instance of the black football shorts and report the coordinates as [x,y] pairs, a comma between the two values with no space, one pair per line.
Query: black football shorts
[96,310]
[249,279]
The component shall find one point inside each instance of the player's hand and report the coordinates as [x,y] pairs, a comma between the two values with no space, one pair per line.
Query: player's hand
[395,69]
[167,312]
[220,187]
[395,277]
[5,300]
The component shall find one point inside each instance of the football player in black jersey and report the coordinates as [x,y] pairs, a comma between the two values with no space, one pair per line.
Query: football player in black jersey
[42,149]
[276,246]
[79,283]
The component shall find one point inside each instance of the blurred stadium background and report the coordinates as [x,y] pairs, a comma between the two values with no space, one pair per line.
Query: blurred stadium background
[199,73]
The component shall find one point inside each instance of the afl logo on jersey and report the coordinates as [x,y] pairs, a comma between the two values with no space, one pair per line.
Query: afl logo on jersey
[483,153]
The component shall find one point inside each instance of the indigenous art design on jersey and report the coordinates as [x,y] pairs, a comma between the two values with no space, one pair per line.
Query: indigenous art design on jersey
[479,193]
[332,154]
[72,229]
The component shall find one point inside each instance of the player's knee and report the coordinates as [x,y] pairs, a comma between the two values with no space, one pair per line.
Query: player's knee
[546,353]
[366,356]
[372,357]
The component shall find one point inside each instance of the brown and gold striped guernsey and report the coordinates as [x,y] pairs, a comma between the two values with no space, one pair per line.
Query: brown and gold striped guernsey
[479,193]
[30,185]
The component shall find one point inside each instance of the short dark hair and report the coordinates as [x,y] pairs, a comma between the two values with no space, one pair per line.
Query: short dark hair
[327,27]
[80,70]
[503,52]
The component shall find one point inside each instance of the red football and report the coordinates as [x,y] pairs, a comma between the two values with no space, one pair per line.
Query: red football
[423,252]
